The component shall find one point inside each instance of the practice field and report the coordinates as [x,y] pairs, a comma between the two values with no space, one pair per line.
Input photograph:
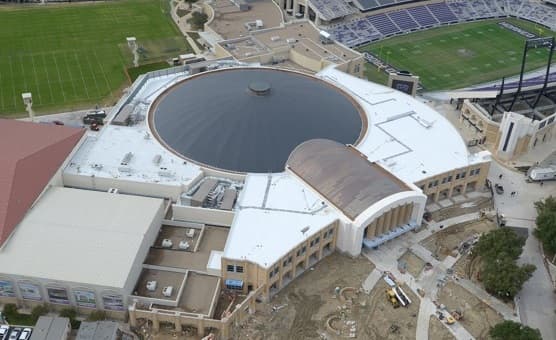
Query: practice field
[461,55]
[72,56]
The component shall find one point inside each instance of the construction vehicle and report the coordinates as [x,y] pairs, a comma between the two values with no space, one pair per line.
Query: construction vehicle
[450,319]
[401,296]
[457,315]
[391,296]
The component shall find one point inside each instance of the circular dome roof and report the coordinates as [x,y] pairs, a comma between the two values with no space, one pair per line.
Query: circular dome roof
[250,119]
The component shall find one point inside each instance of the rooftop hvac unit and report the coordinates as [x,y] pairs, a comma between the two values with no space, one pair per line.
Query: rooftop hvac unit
[190,233]
[274,38]
[157,159]
[125,169]
[127,158]
[167,243]
[151,286]
[184,245]
[291,40]
[167,291]
[96,166]
[113,190]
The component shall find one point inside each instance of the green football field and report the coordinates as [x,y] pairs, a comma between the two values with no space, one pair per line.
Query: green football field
[74,56]
[460,55]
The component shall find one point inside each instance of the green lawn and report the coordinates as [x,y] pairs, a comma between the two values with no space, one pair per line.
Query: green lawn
[73,55]
[460,55]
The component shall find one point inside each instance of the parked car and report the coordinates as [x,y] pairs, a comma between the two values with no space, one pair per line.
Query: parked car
[15,333]
[4,330]
[25,334]
[499,189]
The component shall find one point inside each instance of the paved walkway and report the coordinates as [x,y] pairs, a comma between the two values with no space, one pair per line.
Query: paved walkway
[371,280]
[493,302]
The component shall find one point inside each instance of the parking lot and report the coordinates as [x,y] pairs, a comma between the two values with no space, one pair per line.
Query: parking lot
[15,333]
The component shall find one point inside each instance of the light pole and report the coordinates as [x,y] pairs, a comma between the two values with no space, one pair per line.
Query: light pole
[28,102]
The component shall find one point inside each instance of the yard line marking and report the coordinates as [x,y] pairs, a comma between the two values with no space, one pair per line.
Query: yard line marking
[36,79]
[48,79]
[13,80]
[93,72]
[82,77]
[70,76]
[59,76]
[101,69]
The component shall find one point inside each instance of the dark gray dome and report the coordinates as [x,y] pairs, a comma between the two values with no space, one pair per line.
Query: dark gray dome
[250,119]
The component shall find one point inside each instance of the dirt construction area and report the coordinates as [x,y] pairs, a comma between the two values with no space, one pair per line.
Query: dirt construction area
[478,317]
[462,208]
[437,331]
[411,263]
[447,241]
[309,307]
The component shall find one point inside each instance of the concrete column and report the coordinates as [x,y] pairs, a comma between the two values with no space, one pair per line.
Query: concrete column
[177,323]
[156,323]
[408,212]
[306,13]
[396,217]
[289,4]
[295,7]
[132,316]
[201,325]
[379,225]
[387,221]
[371,231]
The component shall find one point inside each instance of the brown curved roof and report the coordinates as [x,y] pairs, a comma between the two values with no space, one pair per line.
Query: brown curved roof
[30,154]
[343,175]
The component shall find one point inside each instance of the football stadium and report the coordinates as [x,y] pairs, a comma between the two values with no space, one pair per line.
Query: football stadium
[213,184]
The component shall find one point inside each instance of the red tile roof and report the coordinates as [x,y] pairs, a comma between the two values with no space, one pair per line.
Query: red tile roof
[30,154]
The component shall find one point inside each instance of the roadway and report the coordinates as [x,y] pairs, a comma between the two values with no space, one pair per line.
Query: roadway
[537,301]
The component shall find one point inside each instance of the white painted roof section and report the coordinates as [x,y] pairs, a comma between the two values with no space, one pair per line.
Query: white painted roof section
[83,236]
[272,209]
[279,191]
[263,236]
[102,156]
[404,135]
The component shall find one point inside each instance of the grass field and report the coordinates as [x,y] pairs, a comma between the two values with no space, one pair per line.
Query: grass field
[460,55]
[71,56]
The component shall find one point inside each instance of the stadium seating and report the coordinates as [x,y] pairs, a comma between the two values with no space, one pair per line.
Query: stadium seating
[400,21]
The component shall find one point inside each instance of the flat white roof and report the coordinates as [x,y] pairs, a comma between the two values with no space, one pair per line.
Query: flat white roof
[271,211]
[101,154]
[80,236]
[263,236]
[404,135]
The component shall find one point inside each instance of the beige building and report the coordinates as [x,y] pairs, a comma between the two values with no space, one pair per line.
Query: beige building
[511,135]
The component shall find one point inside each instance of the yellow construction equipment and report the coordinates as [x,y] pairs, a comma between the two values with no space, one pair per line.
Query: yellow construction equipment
[450,319]
[391,296]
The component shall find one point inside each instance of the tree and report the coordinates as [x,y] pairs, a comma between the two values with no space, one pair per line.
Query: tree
[71,314]
[499,243]
[510,330]
[546,223]
[504,278]
[190,2]
[38,311]
[198,20]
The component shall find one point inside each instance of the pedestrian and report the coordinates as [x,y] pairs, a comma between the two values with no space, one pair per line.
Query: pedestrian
[542,183]
[500,176]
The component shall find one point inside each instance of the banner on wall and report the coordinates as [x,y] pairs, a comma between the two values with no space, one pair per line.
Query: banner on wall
[85,298]
[7,289]
[58,295]
[30,291]
[113,302]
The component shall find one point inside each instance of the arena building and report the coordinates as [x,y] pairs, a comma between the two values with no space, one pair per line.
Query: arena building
[222,187]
